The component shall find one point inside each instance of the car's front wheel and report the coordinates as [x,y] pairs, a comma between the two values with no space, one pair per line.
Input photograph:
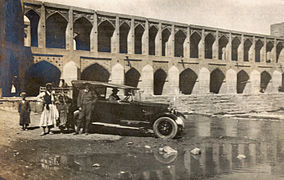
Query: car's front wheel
[165,127]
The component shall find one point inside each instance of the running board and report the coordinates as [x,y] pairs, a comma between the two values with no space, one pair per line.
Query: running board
[114,125]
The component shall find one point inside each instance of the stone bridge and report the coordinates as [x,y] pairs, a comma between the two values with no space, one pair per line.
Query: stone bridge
[158,56]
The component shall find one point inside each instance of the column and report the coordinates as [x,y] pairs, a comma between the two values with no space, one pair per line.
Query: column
[145,39]
[241,50]
[216,46]
[94,35]
[263,52]
[115,37]
[158,41]
[172,87]
[69,31]
[229,48]
[252,51]
[147,77]
[41,28]
[170,51]
[130,38]
[274,52]
[186,44]
[201,50]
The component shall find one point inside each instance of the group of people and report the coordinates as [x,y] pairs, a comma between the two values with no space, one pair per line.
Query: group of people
[57,112]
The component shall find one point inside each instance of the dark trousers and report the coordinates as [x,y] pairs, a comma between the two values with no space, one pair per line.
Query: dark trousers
[85,117]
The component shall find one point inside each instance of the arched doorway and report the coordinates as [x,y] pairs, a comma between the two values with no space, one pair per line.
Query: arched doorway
[39,74]
[132,77]
[242,79]
[209,40]
[139,30]
[223,41]
[216,80]
[247,45]
[55,31]
[159,81]
[95,72]
[152,36]
[235,46]
[165,38]
[187,80]
[179,41]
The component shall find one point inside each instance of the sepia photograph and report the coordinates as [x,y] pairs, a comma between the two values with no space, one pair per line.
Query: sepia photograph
[141,89]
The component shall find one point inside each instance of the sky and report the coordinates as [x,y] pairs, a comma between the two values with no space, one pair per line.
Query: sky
[254,16]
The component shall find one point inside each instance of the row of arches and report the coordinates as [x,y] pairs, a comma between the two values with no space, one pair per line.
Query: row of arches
[37,76]
[56,26]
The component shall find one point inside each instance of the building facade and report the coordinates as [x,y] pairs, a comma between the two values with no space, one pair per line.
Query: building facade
[160,57]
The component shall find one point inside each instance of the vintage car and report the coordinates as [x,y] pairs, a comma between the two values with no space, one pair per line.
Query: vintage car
[164,120]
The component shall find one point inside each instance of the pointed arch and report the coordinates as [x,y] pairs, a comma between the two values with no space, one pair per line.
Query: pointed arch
[139,30]
[223,41]
[105,32]
[132,77]
[216,80]
[179,41]
[279,48]
[34,20]
[56,31]
[258,47]
[235,46]
[95,72]
[82,28]
[152,36]
[265,79]
[160,77]
[247,46]
[165,38]
[194,41]
[39,74]
[209,40]
[187,81]
[242,80]
[123,34]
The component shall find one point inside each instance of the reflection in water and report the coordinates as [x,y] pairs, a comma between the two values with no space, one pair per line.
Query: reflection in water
[219,157]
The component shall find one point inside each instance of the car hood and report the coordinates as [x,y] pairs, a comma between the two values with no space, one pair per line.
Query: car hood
[152,104]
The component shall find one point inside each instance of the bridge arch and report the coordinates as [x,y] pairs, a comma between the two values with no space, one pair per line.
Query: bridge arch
[187,81]
[209,40]
[265,79]
[242,80]
[105,32]
[34,20]
[95,72]
[39,74]
[194,41]
[82,29]
[123,35]
[152,37]
[179,43]
[160,77]
[139,30]
[56,31]
[132,77]
[217,78]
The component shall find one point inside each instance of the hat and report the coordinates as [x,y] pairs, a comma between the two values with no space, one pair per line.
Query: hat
[23,93]
[48,84]
[115,90]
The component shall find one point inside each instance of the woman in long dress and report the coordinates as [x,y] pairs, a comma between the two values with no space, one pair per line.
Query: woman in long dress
[49,114]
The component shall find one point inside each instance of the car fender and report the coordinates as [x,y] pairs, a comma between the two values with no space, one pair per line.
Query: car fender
[179,119]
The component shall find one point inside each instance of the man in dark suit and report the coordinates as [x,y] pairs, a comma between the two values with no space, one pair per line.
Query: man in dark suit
[85,102]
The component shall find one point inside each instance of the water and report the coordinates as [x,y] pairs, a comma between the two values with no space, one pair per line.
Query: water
[221,142]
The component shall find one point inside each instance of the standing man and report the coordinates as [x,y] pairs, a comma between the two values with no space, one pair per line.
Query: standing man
[85,102]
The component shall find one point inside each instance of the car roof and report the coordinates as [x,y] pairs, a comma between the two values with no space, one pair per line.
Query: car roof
[80,83]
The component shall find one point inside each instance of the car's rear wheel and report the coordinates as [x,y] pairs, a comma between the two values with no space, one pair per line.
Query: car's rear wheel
[165,127]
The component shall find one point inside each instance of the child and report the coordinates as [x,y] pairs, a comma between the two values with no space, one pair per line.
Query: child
[62,108]
[24,112]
